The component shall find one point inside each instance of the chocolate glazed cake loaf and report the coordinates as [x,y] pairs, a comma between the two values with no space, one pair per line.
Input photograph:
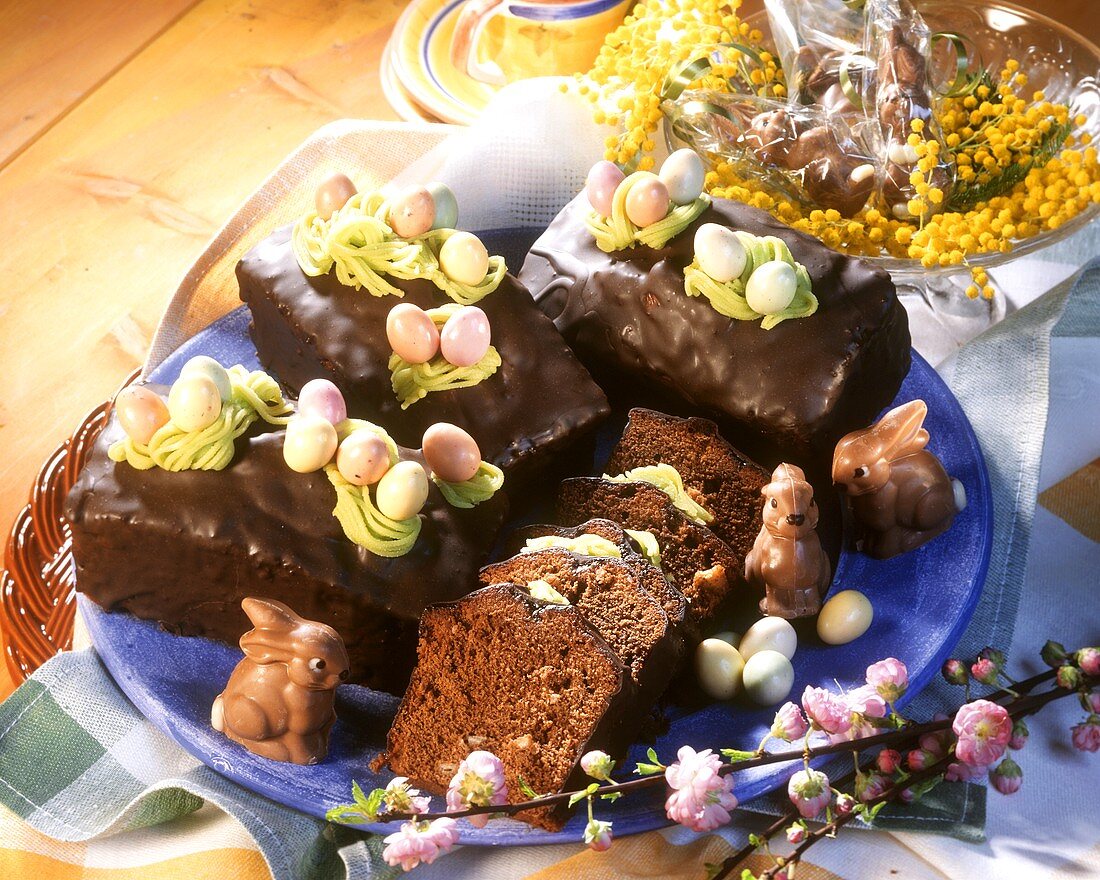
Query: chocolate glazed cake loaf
[788,393]
[538,405]
[185,548]
[530,681]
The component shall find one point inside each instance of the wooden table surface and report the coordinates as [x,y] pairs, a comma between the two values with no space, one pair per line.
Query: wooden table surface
[128,133]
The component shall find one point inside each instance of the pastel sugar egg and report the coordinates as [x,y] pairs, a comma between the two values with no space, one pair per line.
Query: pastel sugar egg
[202,365]
[767,678]
[719,252]
[769,634]
[603,179]
[333,193]
[647,202]
[718,666]
[363,458]
[465,337]
[141,413]
[844,618]
[446,205]
[402,491]
[320,397]
[682,174]
[451,453]
[771,287]
[463,258]
[194,403]
[412,213]
[412,334]
[309,443]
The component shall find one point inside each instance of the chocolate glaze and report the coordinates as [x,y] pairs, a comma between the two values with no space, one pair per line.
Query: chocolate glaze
[538,404]
[783,394]
[185,549]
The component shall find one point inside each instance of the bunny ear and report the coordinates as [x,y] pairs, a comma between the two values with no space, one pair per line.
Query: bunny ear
[264,646]
[270,614]
[901,431]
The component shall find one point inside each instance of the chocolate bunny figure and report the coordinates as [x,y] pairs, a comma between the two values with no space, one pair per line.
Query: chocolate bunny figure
[279,700]
[899,492]
[787,560]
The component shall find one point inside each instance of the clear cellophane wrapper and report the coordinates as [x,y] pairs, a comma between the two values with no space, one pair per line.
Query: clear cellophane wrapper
[899,44]
[809,155]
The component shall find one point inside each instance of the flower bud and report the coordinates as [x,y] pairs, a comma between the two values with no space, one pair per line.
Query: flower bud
[888,761]
[1054,654]
[997,658]
[1007,777]
[1020,733]
[845,803]
[796,833]
[1086,735]
[597,835]
[984,670]
[955,672]
[598,765]
[1069,677]
[1088,659]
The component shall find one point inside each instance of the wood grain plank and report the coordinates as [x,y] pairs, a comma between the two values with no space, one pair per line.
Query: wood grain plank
[53,54]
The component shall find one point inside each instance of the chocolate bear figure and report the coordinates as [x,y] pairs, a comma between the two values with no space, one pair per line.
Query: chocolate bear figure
[787,560]
[899,492]
[279,700]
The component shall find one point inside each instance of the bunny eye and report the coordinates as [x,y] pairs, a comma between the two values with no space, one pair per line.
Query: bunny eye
[316,664]
[859,472]
[775,503]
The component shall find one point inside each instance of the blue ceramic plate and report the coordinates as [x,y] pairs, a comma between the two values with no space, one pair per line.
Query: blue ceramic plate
[923,601]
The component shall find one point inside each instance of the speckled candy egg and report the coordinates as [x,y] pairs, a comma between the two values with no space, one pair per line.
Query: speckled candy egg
[844,618]
[194,403]
[363,458]
[450,452]
[401,493]
[463,258]
[309,444]
[333,194]
[769,634]
[446,205]
[201,365]
[603,179]
[465,337]
[412,335]
[682,174]
[320,397]
[719,252]
[412,213]
[771,287]
[767,678]
[718,666]
[141,412]
[647,202]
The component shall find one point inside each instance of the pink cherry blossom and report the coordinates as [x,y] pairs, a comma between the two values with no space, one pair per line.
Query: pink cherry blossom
[889,677]
[959,772]
[790,724]
[984,670]
[418,842]
[809,791]
[866,700]
[701,799]
[598,765]
[400,797]
[479,781]
[888,761]
[1007,777]
[870,786]
[983,729]
[1088,659]
[827,711]
[1094,702]
[1086,735]
[597,835]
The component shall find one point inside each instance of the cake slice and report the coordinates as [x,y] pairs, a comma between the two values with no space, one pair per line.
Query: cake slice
[718,477]
[699,563]
[612,598]
[630,549]
[185,548]
[530,681]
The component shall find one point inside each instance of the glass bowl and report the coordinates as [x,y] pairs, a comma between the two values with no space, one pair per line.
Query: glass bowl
[1061,63]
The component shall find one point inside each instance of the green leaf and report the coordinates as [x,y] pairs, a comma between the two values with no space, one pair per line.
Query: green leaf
[525,787]
[747,875]
[756,840]
[872,812]
[579,796]
[611,796]
[345,814]
[652,755]
[644,769]
[735,755]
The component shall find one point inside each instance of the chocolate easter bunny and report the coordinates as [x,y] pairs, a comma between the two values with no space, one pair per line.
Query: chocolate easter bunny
[279,700]
[899,492]
[787,560]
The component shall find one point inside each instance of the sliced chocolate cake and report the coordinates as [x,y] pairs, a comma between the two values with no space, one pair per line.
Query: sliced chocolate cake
[718,477]
[185,548]
[784,393]
[536,407]
[631,549]
[699,563]
[530,681]
[611,597]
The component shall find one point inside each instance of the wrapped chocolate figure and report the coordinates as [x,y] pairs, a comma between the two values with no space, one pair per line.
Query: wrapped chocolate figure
[899,492]
[787,560]
[279,700]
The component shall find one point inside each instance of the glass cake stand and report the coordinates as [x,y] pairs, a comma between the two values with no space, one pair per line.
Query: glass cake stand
[1061,63]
